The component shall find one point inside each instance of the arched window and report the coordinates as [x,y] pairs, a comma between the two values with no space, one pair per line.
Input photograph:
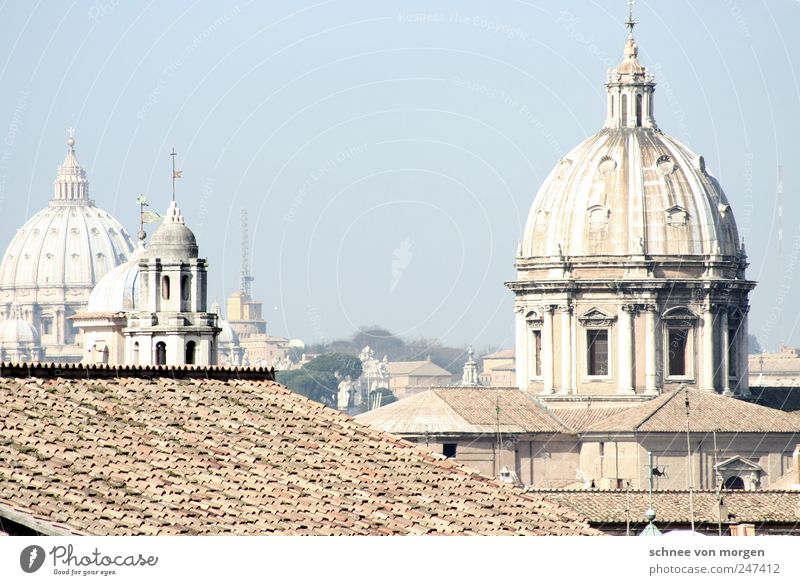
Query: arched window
[165,287]
[638,109]
[734,482]
[190,351]
[185,280]
[136,353]
[104,355]
[613,99]
[161,353]
[624,110]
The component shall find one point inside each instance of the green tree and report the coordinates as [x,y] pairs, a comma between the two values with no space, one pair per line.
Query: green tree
[319,379]
[753,345]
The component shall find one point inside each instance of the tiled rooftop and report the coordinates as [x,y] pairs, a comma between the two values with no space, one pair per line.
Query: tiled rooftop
[454,410]
[196,455]
[672,506]
[709,412]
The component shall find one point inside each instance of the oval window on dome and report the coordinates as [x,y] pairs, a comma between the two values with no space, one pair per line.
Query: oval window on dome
[95,231]
[665,164]
[606,165]
[598,216]
[75,231]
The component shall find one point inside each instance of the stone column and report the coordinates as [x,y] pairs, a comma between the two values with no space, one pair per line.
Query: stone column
[566,349]
[708,348]
[547,350]
[725,361]
[744,355]
[651,381]
[522,351]
[625,350]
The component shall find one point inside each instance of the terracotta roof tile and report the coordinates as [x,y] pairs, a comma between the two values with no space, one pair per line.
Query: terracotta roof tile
[672,506]
[212,456]
[709,412]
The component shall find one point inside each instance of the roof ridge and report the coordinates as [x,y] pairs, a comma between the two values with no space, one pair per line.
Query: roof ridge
[547,411]
[657,408]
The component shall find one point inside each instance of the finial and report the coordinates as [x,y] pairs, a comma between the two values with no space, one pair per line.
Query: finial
[175,174]
[631,22]
[142,201]
[71,139]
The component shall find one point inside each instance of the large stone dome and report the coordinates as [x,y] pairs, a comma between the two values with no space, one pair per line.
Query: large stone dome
[54,260]
[630,190]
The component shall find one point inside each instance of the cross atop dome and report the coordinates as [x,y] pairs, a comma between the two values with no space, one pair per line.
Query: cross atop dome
[631,22]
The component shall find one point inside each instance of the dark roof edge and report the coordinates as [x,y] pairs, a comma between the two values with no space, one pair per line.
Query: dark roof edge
[106,371]
[39,526]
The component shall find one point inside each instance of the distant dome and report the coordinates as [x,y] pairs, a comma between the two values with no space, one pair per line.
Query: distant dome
[17,332]
[119,289]
[227,336]
[69,243]
[173,240]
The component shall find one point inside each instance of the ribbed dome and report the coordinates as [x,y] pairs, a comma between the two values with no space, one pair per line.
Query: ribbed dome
[630,191]
[69,243]
[119,289]
[173,240]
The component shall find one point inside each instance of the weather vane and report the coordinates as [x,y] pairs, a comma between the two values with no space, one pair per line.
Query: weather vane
[175,174]
[631,22]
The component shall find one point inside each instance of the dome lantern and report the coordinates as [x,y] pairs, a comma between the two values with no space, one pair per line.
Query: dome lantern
[630,88]
[71,183]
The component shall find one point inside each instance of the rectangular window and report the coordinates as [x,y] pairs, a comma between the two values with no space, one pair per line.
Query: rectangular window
[537,353]
[732,361]
[47,325]
[597,344]
[449,450]
[676,351]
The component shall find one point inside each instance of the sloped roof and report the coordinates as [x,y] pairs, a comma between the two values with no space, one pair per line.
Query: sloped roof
[708,412]
[583,417]
[191,455]
[417,368]
[464,410]
[672,506]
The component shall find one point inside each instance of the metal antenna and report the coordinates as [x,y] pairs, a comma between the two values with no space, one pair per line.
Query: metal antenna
[246,277]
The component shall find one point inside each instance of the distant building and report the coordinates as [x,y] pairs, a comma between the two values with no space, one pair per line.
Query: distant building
[776,370]
[245,316]
[407,378]
[600,444]
[499,369]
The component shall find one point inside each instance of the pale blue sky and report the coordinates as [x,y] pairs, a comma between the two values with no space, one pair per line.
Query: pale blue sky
[388,153]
